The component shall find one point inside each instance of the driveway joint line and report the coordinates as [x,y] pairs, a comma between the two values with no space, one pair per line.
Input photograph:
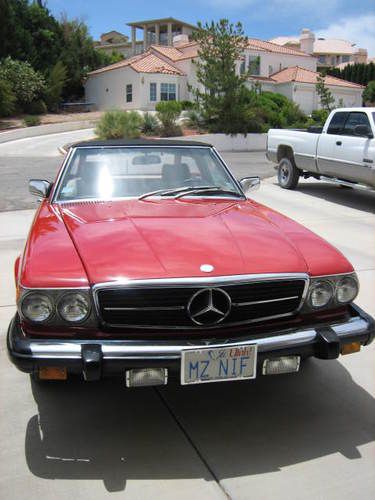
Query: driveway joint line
[191,442]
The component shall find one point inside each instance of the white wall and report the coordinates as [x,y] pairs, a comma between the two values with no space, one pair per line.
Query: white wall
[271,62]
[108,89]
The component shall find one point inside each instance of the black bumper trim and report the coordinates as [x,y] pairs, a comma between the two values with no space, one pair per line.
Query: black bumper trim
[97,358]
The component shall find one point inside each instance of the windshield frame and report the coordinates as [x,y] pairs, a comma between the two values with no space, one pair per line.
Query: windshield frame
[70,156]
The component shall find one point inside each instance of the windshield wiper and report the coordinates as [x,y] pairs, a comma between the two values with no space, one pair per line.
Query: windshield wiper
[209,189]
[163,192]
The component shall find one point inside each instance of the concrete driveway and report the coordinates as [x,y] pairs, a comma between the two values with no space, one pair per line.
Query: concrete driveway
[304,436]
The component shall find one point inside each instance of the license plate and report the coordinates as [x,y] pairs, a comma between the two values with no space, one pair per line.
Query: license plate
[218,364]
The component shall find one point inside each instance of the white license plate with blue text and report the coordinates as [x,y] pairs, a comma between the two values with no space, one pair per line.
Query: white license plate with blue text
[218,364]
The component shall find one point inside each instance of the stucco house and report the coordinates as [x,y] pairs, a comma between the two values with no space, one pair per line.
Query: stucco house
[330,52]
[167,72]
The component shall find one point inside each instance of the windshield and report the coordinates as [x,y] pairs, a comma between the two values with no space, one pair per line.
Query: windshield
[121,172]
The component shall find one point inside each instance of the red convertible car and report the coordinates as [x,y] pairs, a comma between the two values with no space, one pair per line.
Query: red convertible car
[149,260]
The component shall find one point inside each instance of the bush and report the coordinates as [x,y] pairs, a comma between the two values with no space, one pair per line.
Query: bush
[369,92]
[150,124]
[167,113]
[7,98]
[194,119]
[31,120]
[119,124]
[36,107]
[27,84]
[320,116]
[186,105]
[292,114]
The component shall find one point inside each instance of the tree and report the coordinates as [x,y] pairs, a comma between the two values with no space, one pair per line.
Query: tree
[221,46]
[55,84]
[27,84]
[369,92]
[325,95]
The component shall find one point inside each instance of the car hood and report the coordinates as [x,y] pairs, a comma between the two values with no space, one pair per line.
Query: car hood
[135,239]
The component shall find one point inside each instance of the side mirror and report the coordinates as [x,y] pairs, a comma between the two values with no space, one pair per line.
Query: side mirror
[40,188]
[362,131]
[249,184]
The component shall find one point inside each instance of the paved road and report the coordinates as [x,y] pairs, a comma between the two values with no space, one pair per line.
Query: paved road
[295,437]
[38,158]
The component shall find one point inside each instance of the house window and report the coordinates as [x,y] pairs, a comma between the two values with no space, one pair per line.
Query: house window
[322,59]
[243,66]
[254,65]
[167,91]
[345,59]
[129,92]
[152,92]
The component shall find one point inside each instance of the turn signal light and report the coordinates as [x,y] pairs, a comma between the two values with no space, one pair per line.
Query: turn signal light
[350,348]
[52,373]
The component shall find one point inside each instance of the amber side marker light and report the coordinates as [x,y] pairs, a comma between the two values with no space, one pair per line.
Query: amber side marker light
[52,373]
[350,348]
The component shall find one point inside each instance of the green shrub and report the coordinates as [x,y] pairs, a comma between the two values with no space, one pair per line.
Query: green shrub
[320,116]
[31,120]
[27,84]
[7,98]
[150,124]
[119,124]
[37,107]
[292,114]
[194,119]
[168,113]
[369,92]
[186,105]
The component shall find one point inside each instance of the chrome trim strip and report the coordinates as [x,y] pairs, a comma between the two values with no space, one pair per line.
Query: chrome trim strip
[119,349]
[170,308]
[306,155]
[240,304]
[201,281]
[338,160]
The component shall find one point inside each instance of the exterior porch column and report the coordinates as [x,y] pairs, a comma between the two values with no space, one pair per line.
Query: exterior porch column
[157,34]
[145,37]
[133,39]
[170,40]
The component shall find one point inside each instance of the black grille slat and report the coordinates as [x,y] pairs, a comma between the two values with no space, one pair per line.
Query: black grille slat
[166,307]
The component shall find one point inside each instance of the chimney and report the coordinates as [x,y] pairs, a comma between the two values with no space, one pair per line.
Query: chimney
[307,39]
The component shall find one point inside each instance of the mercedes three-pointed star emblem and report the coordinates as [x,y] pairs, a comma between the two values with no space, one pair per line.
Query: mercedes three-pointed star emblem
[209,306]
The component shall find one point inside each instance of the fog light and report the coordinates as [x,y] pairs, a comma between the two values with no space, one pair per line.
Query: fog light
[284,364]
[143,377]
[350,348]
[52,373]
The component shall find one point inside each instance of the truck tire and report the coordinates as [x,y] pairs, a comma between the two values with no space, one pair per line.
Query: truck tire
[287,174]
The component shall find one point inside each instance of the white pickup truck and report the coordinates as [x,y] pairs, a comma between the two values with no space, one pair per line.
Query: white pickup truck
[342,151]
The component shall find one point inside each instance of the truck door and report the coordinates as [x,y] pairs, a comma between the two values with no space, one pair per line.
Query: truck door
[344,155]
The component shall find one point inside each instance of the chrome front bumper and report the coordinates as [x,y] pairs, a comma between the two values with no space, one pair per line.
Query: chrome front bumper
[114,356]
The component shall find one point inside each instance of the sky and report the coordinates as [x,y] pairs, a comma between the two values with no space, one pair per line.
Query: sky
[265,19]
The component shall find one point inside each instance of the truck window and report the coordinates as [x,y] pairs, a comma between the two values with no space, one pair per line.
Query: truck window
[336,125]
[355,118]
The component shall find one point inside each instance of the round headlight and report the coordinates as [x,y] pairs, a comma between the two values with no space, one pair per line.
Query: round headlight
[346,290]
[37,307]
[320,294]
[73,307]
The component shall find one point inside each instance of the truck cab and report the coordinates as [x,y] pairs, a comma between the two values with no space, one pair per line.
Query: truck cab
[343,151]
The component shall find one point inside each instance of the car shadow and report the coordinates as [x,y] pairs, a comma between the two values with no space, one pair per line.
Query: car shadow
[352,198]
[103,431]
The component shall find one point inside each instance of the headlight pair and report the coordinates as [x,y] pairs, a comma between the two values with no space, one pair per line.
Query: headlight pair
[341,290]
[72,307]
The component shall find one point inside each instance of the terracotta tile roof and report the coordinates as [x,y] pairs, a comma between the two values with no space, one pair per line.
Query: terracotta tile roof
[143,63]
[254,43]
[302,75]
[186,50]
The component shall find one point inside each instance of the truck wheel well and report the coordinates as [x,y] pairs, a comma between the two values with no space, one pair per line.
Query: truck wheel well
[285,152]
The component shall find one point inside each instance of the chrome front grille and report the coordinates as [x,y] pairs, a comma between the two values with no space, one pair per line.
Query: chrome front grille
[159,305]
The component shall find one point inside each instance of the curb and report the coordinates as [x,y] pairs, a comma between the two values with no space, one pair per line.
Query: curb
[52,128]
